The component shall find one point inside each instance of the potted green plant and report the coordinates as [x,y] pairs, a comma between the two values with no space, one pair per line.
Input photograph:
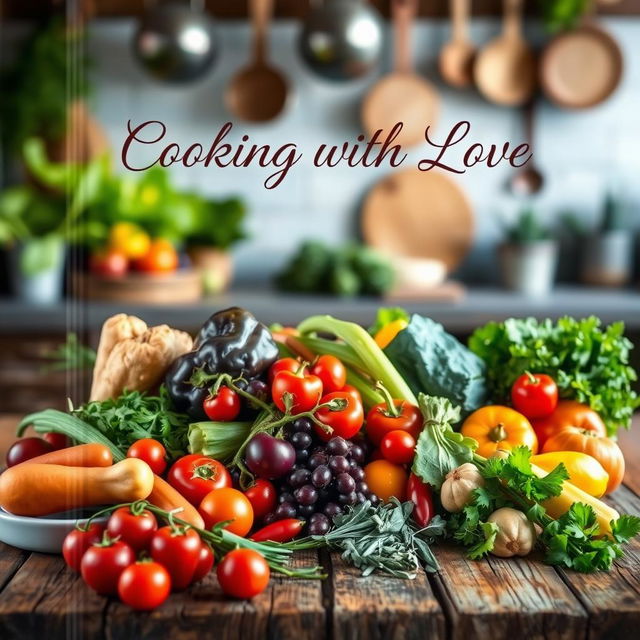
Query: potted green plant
[529,256]
[608,251]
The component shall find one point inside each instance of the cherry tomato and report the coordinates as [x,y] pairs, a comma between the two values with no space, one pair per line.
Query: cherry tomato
[178,550]
[144,585]
[304,391]
[223,407]
[345,419]
[332,373]
[194,476]
[535,395]
[78,541]
[243,573]
[227,504]
[135,530]
[284,364]
[102,564]
[150,451]
[353,391]
[206,561]
[161,258]
[25,449]
[386,479]
[109,264]
[380,420]
[398,447]
[263,497]
[57,440]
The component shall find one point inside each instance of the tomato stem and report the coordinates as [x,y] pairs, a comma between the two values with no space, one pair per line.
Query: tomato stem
[391,410]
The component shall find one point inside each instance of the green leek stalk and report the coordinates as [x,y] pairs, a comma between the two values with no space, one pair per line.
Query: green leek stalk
[371,358]
[220,440]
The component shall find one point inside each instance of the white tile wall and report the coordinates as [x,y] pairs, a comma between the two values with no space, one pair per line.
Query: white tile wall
[579,153]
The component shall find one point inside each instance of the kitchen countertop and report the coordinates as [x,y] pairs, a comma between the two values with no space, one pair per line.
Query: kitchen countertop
[476,308]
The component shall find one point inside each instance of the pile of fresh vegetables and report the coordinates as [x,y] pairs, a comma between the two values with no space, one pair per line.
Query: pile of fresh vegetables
[247,444]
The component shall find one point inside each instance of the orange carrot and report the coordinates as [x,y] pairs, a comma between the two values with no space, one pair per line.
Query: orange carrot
[166,497]
[84,455]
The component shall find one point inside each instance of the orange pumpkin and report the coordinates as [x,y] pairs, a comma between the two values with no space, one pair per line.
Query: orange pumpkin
[603,449]
[568,413]
[497,427]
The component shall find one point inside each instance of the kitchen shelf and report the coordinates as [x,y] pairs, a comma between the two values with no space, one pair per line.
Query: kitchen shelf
[478,307]
[233,9]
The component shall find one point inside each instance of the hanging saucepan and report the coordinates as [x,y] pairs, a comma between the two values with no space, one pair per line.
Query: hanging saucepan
[175,41]
[341,39]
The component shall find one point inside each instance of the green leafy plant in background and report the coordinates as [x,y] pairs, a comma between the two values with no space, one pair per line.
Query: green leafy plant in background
[70,356]
[35,92]
[613,218]
[588,362]
[527,229]
[558,15]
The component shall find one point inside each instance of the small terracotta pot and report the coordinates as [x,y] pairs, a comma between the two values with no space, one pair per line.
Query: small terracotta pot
[608,259]
[215,266]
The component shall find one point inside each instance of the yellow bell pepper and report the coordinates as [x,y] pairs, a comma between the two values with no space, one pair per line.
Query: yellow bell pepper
[389,332]
[585,472]
[559,505]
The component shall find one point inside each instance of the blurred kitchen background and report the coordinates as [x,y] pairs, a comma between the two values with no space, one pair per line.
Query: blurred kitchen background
[174,245]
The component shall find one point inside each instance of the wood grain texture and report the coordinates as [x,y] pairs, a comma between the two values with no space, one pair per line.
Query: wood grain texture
[506,598]
[11,559]
[378,606]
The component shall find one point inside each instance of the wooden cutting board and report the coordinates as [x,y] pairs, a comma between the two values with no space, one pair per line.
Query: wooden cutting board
[419,214]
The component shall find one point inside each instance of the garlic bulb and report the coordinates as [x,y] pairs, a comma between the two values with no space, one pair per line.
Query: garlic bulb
[516,534]
[458,485]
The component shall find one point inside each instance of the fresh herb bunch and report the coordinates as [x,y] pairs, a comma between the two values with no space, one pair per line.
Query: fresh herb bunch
[589,363]
[384,538]
[135,415]
[573,540]
[70,356]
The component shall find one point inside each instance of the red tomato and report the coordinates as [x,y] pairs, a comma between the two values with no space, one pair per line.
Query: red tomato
[178,551]
[77,542]
[194,476]
[345,420]
[380,420]
[102,564]
[353,391]
[398,447]
[57,440]
[535,395]
[25,449]
[263,497]
[304,390]
[144,585]
[243,573]
[332,373]
[150,451]
[223,407]
[161,258]
[136,531]
[284,364]
[222,505]
[206,560]
[109,264]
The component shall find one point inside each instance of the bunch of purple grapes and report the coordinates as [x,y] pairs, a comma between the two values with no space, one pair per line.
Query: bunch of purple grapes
[326,478]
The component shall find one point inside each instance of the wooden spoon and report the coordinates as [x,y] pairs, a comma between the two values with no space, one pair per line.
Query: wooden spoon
[529,179]
[401,96]
[456,57]
[505,70]
[259,91]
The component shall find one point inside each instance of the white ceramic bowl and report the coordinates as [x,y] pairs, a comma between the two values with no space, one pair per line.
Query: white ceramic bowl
[44,534]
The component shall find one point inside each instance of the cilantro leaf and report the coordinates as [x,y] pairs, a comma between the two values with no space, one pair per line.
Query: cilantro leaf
[482,548]
[439,448]
[625,528]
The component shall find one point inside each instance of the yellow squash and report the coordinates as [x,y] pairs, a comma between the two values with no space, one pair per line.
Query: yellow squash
[585,472]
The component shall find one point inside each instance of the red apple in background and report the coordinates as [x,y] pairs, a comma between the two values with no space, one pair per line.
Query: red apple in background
[109,263]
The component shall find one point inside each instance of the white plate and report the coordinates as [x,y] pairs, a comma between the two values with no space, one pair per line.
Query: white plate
[44,534]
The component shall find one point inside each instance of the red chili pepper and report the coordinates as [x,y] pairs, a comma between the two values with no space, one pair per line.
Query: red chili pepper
[420,494]
[279,531]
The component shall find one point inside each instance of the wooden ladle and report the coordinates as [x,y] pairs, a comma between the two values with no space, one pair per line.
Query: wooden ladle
[259,91]
[456,57]
[505,69]
[529,180]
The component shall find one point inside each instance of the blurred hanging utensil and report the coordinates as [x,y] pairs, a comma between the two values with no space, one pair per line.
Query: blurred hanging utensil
[258,92]
[341,39]
[581,68]
[175,41]
[529,180]
[456,57]
[505,69]
[402,95]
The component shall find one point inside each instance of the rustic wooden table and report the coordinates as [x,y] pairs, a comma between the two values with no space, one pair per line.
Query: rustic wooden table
[495,598]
